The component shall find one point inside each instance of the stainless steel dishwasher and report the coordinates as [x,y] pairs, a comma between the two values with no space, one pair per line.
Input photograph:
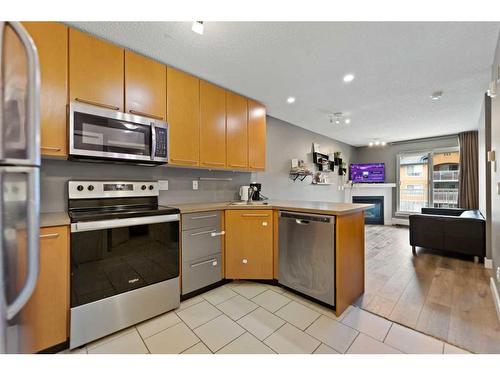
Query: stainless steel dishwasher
[307,254]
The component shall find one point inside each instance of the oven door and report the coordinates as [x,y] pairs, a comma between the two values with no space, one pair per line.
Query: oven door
[111,257]
[107,134]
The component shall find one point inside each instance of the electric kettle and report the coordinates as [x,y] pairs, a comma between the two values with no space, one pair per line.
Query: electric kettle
[244,192]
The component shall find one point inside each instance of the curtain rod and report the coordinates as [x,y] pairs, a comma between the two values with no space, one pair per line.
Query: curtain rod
[424,139]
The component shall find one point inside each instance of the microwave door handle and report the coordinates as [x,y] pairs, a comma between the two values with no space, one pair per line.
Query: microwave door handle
[153,141]
[33,235]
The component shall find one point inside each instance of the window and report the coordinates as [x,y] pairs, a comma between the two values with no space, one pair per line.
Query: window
[414,170]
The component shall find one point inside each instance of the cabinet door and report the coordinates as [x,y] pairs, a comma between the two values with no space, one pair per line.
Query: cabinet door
[212,125]
[51,40]
[95,71]
[249,244]
[237,131]
[183,109]
[48,307]
[145,86]
[256,136]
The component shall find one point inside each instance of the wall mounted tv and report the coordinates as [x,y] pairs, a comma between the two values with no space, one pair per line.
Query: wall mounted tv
[367,173]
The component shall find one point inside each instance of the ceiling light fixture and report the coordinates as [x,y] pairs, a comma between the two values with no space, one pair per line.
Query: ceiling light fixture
[197,27]
[436,95]
[377,143]
[338,118]
[347,121]
[370,144]
[290,100]
[348,78]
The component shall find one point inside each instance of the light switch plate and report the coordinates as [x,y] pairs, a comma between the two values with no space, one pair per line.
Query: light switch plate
[195,184]
[163,184]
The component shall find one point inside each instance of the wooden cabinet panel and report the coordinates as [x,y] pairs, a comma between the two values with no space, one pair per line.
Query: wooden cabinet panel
[95,71]
[51,40]
[249,244]
[256,136]
[212,125]
[48,308]
[237,131]
[183,110]
[145,86]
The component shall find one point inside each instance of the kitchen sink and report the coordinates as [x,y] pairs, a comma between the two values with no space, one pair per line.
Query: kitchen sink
[245,203]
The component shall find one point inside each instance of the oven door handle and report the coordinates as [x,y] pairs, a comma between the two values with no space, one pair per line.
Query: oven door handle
[86,226]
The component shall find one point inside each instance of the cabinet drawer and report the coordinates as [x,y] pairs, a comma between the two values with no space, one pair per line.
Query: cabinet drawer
[201,219]
[200,242]
[201,272]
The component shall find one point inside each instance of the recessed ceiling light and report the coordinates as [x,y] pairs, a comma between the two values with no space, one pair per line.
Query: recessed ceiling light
[377,143]
[370,144]
[347,120]
[348,78]
[290,100]
[436,95]
[197,27]
[383,143]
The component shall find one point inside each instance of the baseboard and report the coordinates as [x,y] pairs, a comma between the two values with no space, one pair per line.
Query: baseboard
[496,296]
[400,221]
[488,263]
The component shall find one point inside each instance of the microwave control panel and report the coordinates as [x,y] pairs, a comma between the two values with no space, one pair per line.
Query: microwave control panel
[161,143]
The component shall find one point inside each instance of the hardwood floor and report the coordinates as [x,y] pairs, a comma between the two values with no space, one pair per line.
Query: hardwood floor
[443,296]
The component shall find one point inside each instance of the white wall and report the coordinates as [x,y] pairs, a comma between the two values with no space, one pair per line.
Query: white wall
[285,142]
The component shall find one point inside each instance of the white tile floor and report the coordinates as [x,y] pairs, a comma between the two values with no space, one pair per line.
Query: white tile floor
[249,318]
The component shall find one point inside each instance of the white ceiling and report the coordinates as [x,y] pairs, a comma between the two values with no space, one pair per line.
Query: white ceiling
[397,66]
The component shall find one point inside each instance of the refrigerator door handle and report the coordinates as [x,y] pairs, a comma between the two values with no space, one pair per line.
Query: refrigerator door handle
[32,101]
[33,238]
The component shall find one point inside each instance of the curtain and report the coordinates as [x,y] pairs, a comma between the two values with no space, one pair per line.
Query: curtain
[468,188]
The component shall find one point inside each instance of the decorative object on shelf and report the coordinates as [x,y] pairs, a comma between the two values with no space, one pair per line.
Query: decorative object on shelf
[343,168]
[320,179]
[299,170]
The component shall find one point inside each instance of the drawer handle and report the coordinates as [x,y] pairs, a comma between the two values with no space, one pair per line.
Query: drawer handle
[139,113]
[244,261]
[202,217]
[49,235]
[51,148]
[255,215]
[204,232]
[213,261]
[97,104]
[216,234]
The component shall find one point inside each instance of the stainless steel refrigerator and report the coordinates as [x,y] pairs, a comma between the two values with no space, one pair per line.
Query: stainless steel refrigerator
[19,183]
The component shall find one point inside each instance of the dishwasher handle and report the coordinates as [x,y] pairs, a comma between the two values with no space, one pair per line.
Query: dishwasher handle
[305,219]
[302,222]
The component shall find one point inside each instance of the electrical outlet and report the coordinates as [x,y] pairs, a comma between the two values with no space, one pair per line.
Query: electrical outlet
[195,184]
[163,184]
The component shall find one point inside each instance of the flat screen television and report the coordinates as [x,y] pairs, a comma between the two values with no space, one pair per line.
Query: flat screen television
[367,173]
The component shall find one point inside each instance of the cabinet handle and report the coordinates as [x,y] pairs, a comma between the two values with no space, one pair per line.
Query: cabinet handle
[255,215]
[85,101]
[139,113]
[213,261]
[216,234]
[244,261]
[49,235]
[205,232]
[51,148]
[203,217]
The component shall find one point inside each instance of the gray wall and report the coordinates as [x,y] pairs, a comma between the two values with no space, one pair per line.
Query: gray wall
[285,142]
[484,140]
[388,155]
[55,174]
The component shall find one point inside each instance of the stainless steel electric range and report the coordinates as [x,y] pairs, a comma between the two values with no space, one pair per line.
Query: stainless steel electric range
[124,256]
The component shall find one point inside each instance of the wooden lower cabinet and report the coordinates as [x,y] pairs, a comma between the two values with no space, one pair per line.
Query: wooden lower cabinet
[249,244]
[48,309]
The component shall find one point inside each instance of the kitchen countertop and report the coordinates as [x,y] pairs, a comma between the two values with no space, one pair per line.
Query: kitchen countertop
[322,208]
[54,219]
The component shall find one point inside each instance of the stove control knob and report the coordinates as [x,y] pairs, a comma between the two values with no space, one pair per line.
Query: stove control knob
[143,187]
[79,187]
[151,187]
[91,187]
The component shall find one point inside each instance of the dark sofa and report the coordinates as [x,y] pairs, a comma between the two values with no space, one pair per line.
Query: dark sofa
[449,229]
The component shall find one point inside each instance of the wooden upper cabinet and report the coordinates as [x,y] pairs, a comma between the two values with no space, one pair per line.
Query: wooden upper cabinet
[249,244]
[237,131]
[256,136]
[51,40]
[95,71]
[212,125]
[183,110]
[145,86]
[48,308]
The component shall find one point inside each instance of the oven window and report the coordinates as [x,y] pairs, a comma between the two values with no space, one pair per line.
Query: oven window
[108,262]
[101,134]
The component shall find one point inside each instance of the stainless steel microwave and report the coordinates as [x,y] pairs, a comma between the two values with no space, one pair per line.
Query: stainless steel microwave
[104,134]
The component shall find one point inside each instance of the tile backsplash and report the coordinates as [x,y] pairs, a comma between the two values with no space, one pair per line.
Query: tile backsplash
[56,173]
